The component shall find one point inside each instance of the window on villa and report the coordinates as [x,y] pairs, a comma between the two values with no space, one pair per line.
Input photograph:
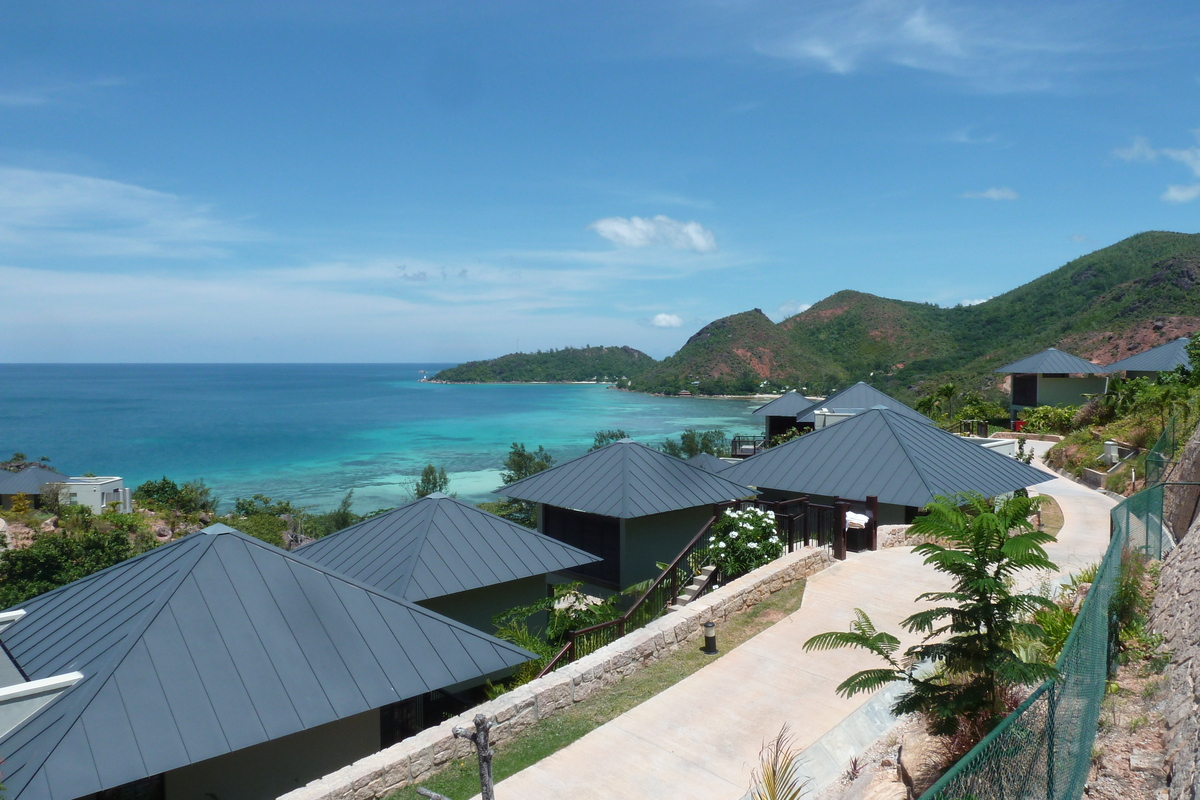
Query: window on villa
[600,536]
[401,720]
[1024,390]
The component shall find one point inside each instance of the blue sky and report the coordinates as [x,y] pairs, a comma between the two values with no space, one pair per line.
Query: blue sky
[305,181]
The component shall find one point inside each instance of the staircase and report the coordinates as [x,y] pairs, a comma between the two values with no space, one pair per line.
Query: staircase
[696,587]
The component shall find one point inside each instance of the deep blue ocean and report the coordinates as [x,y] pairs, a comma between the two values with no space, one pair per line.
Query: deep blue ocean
[311,432]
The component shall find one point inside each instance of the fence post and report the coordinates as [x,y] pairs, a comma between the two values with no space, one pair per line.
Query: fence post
[839,534]
[804,517]
[1051,710]
[873,513]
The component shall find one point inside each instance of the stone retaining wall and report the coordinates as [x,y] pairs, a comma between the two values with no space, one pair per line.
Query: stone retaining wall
[417,757]
[1176,615]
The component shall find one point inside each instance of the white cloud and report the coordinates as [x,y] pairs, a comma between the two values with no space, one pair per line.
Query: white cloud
[992,48]
[51,92]
[58,213]
[1138,150]
[967,136]
[974,302]
[666,321]
[638,232]
[995,193]
[1181,194]
[790,309]
[1141,150]
[1189,157]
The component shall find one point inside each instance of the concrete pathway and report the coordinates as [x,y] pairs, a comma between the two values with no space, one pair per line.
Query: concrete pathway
[701,737]
[1084,536]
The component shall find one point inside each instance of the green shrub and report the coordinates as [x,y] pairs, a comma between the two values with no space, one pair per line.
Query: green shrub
[1050,419]
[744,540]
[55,559]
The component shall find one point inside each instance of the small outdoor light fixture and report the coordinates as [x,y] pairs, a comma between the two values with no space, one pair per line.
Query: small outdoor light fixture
[710,638]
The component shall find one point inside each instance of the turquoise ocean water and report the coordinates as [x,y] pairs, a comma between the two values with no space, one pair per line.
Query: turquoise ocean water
[311,432]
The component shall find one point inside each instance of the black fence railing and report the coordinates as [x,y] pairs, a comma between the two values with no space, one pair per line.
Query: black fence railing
[746,446]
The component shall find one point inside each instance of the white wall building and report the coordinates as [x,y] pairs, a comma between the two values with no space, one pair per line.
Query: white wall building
[97,493]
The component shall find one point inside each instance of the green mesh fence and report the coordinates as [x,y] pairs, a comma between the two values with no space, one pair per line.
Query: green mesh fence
[1044,748]
[1162,456]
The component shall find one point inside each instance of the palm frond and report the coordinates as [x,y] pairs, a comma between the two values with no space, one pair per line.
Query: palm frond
[778,775]
[868,680]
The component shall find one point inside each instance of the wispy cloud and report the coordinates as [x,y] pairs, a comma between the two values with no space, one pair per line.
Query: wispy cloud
[638,232]
[973,302]
[1181,194]
[666,321]
[968,136]
[995,193]
[789,309]
[57,213]
[1078,238]
[993,48]
[1140,149]
[48,93]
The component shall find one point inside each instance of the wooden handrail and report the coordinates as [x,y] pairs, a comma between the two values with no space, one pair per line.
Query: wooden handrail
[621,621]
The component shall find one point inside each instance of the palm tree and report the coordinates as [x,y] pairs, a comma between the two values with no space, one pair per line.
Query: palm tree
[986,543]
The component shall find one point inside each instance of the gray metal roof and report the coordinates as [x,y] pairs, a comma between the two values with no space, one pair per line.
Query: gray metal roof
[625,479]
[1163,358]
[29,480]
[885,454]
[1053,360]
[437,546]
[788,404]
[709,462]
[208,645]
[859,398]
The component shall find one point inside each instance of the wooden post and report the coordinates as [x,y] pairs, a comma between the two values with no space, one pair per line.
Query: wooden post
[804,516]
[839,535]
[873,513]
[480,739]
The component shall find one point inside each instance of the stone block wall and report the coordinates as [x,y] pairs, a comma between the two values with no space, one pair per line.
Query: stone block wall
[1176,615]
[1180,502]
[417,757]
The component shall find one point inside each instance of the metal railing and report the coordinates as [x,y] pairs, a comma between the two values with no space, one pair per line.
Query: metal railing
[800,522]
[652,604]
[746,446]
[1161,457]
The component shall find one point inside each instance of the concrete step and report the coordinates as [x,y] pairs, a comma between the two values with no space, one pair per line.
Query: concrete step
[695,587]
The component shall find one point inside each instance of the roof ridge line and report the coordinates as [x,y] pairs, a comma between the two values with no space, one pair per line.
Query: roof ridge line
[81,696]
[917,466]
[425,523]
[500,490]
[366,587]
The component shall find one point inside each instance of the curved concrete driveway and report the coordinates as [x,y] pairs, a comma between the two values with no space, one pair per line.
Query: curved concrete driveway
[701,737]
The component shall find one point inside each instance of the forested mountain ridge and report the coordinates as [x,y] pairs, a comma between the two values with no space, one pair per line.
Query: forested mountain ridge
[570,364]
[1125,298]
[1106,305]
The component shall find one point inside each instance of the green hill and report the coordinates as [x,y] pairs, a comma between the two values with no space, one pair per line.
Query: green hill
[733,355]
[1138,292]
[1106,305]
[1103,306]
[553,366]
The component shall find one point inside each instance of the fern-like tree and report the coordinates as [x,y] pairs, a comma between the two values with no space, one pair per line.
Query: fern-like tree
[968,637]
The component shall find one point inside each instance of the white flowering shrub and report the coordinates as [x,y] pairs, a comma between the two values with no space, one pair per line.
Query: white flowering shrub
[744,540]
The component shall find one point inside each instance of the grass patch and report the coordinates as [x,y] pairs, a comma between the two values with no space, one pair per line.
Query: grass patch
[1052,516]
[461,778]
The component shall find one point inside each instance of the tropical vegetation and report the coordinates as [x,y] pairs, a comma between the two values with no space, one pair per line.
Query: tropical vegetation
[969,638]
[742,541]
[570,364]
